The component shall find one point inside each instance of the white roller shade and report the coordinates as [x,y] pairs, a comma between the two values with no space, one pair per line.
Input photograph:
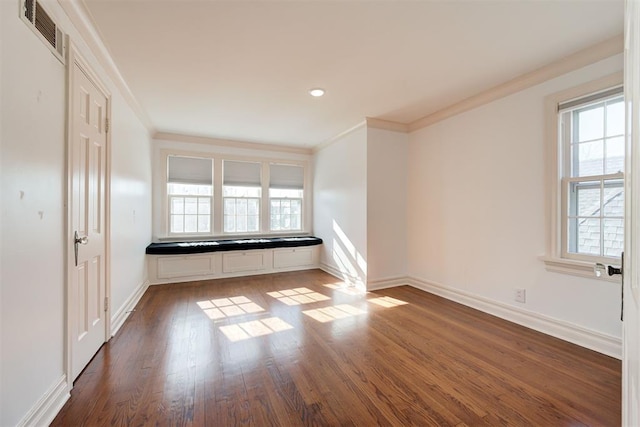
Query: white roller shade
[286,177]
[190,170]
[243,174]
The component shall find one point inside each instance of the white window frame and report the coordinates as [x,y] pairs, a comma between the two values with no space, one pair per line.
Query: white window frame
[168,197]
[287,199]
[217,205]
[557,258]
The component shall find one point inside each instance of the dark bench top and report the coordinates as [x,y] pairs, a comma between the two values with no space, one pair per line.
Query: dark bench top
[181,248]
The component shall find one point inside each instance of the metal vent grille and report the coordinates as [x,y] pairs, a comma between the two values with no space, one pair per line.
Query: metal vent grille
[28,10]
[41,23]
[45,25]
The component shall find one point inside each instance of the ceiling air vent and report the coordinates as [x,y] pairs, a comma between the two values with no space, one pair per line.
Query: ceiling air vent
[45,27]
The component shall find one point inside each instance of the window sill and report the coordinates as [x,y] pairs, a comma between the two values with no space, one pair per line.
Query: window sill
[201,237]
[575,268]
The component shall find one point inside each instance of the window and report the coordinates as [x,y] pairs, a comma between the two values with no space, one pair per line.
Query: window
[190,193]
[286,189]
[242,191]
[591,133]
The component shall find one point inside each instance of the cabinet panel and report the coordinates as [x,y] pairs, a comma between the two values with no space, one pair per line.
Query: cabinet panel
[243,261]
[172,266]
[292,257]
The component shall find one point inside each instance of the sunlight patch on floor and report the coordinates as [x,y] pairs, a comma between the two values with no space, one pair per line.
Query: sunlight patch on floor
[254,328]
[345,289]
[227,307]
[387,302]
[298,296]
[335,312]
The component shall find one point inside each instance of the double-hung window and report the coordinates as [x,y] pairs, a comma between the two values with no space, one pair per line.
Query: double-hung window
[592,134]
[241,193]
[190,194]
[286,189]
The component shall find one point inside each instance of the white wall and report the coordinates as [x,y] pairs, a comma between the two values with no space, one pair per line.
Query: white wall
[476,208]
[340,205]
[130,202]
[32,183]
[387,159]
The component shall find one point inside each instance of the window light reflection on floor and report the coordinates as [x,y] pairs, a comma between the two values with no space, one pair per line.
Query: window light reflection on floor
[328,314]
[298,296]
[226,307]
[387,302]
[345,289]
[254,328]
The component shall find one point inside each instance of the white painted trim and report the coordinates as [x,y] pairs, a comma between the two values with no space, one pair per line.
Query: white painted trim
[337,137]
[582,58]
[597,341]
[330,269]
[119,317]
[175,137]
[372,122]
[575,268]
[84,23]
[389,282]
[74,56]
[47,407]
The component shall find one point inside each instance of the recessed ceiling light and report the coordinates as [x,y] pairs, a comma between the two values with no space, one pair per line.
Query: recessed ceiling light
[316,92]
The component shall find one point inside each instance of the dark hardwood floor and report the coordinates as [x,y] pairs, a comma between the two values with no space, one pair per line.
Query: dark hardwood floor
[298,349]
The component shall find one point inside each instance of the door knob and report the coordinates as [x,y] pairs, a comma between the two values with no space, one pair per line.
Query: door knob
[78,241]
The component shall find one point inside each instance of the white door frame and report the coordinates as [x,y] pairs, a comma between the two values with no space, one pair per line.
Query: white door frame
[75,58]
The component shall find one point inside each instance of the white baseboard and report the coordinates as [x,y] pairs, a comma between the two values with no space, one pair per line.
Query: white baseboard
[597,341]
[46,409]
[389,282]
[346,277]
[123,312]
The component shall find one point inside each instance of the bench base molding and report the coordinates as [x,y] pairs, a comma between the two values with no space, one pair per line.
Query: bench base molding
[216,265]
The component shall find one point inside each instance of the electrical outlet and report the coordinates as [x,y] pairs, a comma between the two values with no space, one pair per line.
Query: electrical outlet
[521,295]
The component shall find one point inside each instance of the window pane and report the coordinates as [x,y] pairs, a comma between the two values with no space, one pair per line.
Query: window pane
[615,155]
[204,222]
[190,205]
[229,206]
[586,235]
[615,118]
[614,198]
[587,199]
[177,205]
[252,223]
[177,225]
[590,159]
[241,207]
[285,222]
[229,223]
[590,123]
[275,207]
[235,191]
[190,223]
[204,206]
[295,206]
[253,206]
[613,237]
[283,193]
[295,222]
[241,223]
[275,222]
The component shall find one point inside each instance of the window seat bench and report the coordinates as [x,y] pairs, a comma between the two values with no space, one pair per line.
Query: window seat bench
[201,260]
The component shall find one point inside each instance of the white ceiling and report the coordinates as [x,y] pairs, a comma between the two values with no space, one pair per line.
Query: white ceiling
[241,69]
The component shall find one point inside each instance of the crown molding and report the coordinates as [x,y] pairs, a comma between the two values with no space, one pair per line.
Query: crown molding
[335,138]
[582,58]
[372,122]
[84,24]
[168,136]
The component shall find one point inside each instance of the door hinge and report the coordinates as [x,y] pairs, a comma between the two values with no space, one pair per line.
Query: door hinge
[106,125]
[106,303]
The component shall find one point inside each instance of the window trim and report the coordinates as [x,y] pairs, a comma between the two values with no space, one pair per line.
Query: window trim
[554,258]
[217,208]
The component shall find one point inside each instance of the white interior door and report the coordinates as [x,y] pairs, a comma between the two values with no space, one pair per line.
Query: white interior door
[631,287]
[87,249]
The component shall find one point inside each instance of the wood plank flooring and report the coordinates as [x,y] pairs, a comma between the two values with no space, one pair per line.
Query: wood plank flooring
[300,348]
